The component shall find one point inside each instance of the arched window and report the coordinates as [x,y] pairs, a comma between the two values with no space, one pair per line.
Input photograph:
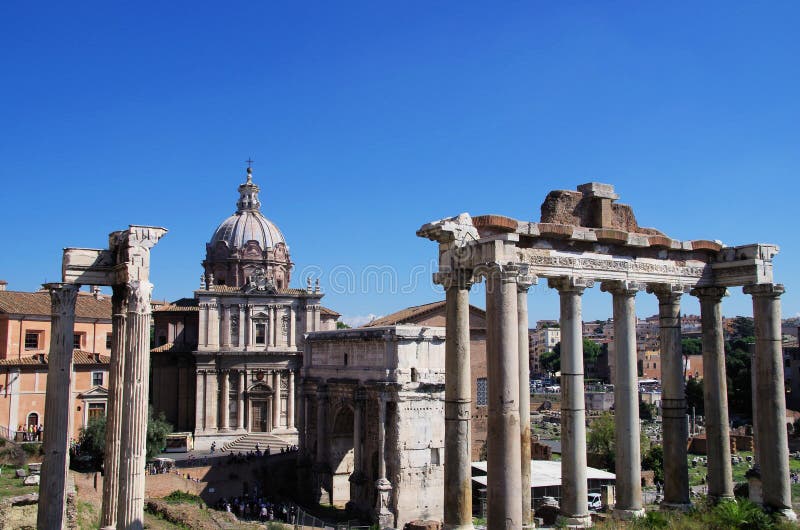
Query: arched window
[33,419]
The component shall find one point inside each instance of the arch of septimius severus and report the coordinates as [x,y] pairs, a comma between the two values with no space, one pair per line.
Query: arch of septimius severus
[585,238]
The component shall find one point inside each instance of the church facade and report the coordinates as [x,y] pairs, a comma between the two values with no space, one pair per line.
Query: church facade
[227,360]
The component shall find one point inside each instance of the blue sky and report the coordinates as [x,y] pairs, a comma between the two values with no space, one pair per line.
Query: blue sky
[368,119]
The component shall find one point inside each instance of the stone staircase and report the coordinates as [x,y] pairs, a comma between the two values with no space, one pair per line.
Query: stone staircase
[263,439]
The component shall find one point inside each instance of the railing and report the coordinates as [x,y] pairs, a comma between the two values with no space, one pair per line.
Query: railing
[306,521]
[7,433]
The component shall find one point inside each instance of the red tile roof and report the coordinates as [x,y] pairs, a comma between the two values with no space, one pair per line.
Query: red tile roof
[411,315]
[329,312]
[38,304]
[79,357]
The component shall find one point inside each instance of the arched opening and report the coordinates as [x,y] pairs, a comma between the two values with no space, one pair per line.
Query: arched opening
[342,454]
[33,419]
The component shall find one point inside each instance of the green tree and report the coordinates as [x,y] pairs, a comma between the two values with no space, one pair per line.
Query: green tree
[647,411]
[692,346]
[550,361]
[92,437]
[653,460]
[600,439]
[591,351]
[342,325]
[694,396]
[743,327]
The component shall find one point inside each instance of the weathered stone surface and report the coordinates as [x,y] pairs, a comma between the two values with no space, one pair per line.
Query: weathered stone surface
[21,473]
[423,525]
[31,480]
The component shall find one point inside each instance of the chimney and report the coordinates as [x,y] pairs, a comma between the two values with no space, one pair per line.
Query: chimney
[96,292]
[3,285]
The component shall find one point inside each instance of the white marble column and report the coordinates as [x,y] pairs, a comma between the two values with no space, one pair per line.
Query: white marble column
[290,401]
[715,393]
[574,479]
[457,403]
[116,384]
[225,401]
[213,325]
[524,282]
[55,465]
[240,390]
[384,487]
[770,403]
[504,497]
[276,399]
[273,321]
[673,399]
[134,409]
[626,402]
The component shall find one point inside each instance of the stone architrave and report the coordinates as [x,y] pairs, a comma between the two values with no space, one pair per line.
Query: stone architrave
[116,385]
[574,478]
[626,402]
[53,485]
[504,495]
[673,399]
[770,403]
[457,403]
[715,393]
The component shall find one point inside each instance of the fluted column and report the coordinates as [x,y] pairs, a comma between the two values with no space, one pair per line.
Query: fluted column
[276,399]
[240,405]
[524,283]
[290,401]
[715,393]
[116,384]
[574,479]
[457,402]
[673,398]
[383,485]
[626,402]
[53,487]
[225,402]
[770,403]
[503,487]
[134,409]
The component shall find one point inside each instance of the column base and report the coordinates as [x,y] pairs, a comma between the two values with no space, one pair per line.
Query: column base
[675,506]
[627,515]
[580,521]
[788,513]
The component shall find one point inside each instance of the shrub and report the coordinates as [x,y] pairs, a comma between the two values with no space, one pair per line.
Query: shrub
[182,497]
[32,449]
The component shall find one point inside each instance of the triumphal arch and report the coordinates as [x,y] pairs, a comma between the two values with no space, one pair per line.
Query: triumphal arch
[585,238]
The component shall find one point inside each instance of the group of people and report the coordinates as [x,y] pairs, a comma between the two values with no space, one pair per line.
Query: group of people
[30,433]
[258,508]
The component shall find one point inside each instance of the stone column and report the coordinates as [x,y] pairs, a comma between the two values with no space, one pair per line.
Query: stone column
[225,402]
[134,408]
[240,405]
[290,328]
[212,401]
[276,399]
[626,402]
[357,478]
[457,403]
[770,403]
[273,326]
[715,393]
[504,497]
[248,326]
[574,480]
[290,402]
[241,326]
[673,399]
[116,384]
[213,325]
[55,467]
[384,487]
[226,326]
[524,283]
[199,413]
[322,424]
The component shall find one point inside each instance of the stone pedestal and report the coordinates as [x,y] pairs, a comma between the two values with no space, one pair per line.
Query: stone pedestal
[503,441]
[457,402]
[715,394]
[673,399]
[626,402]
[574,480]
[770,403]
[55,467]
[116,384]
[134,408]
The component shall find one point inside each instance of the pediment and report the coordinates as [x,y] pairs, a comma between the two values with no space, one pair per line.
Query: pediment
[97,392]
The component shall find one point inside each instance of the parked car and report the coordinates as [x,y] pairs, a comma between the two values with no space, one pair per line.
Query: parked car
[594,502]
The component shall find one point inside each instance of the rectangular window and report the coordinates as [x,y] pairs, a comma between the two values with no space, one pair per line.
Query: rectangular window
[97,378]
[481,394]
[109,339]
[32,340]
[261,333]
[77,341]
[96,410]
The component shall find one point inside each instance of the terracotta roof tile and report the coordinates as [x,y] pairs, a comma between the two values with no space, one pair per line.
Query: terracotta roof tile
[232,289]
[409,315]
[171,347]
[79,357]
[38,304]
[327,311]
[184,304]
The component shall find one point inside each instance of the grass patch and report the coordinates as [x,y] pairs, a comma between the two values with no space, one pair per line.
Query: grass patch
[182,497]
[10,485]
[88,518]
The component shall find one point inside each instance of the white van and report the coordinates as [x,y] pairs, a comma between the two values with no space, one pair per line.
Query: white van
[594,502]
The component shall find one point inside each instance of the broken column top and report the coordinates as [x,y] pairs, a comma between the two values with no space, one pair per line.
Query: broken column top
[598,190]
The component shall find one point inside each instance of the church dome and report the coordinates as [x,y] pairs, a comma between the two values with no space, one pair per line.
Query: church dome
[248,224]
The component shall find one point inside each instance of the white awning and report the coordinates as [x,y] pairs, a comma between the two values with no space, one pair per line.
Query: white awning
[546,473]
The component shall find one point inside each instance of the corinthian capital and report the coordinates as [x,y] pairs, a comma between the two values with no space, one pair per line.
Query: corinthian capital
[621,287]
[712,293]
[62,298]
[139,296]
[769,290]
[460,278]
[566,284]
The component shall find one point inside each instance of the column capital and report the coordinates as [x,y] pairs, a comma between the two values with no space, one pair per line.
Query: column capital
[139,295]
[768,290]
[712,292]
[505,272]
[667,293]
[525,279]
[574,284]
[63,297]
[460,278]
[621,287]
